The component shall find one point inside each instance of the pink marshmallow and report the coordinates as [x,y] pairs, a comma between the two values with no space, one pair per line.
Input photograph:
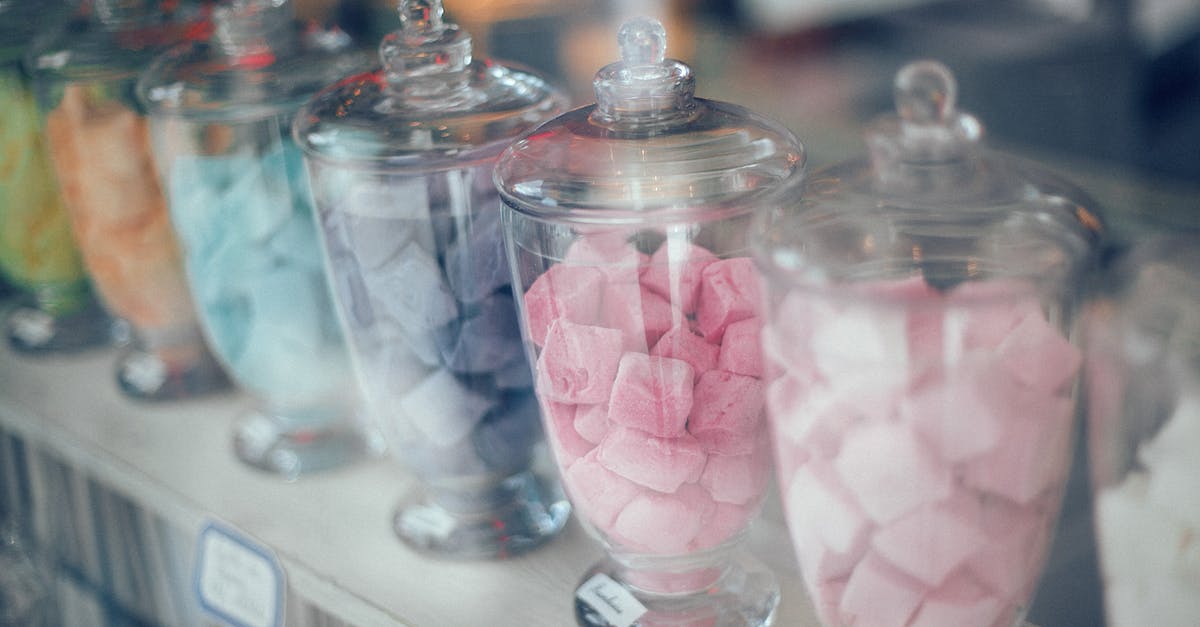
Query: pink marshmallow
[827,596]
[730,443]
[956,414]
[568,445]
[591,421]
[929,542]
[830,531]
[681,343]
[663,524]
[724,401]
[879,595]
[598,493]
[653,394]
[724,523]
[729,291]
[1017,542]
[889,471]
[810,415]
[741,352]
[641,314]
[1033,451]
[1039,356]
[960,601]
[675,273]
[661,464]
[562,292]
[578,363]
[991,310]
[739,479]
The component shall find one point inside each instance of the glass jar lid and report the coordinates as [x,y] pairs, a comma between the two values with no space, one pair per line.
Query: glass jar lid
[428,105]
[928,199]
[648,149]
[257,61]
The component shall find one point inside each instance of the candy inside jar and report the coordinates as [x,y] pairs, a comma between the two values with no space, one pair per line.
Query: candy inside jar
[921,376]
[626,224]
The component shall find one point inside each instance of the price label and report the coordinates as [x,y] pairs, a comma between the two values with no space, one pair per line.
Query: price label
[612,602]
[238,581]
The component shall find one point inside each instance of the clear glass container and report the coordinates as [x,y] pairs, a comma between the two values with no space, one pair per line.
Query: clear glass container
[99,145]
[626,223]
[921,307]
[56,310]
[401,160]
[220,112]
[1143,374]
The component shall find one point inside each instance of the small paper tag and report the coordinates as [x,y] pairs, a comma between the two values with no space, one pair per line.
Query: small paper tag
[613,603]
[237,581]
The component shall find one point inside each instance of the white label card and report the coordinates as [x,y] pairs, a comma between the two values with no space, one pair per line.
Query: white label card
[238,581]
[615,604]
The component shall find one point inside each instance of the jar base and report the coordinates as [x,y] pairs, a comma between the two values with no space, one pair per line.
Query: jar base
[33,331]
[519,514]
[744,593]
[274,444]
[146,375]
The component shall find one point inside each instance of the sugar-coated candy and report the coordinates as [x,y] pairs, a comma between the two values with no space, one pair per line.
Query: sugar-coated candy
[890,471]
[640,314]
[444,409]
[830,530]
[728,402]
[674,271]
[578,362]
[740,348]
[664,524]
[564,292]
[475,263]
[411,292]
[724,523]
[505,437]
[682,343]
[661,464]
[929,542]
[960,601]
[1038,355]
[653,394]
[737,479]
[879,595]
[730,291]
[591,421]
[1017,539]
[1032,454]
[484,341]
[957,414]
[599,493]
[568,445]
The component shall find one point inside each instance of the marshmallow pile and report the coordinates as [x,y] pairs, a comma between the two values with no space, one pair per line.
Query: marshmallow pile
[246,227]
[922,442]
[1149,529]
[424,290]
[101,153]
[649,374]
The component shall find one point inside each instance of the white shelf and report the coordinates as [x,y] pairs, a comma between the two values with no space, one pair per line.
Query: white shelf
[137,482]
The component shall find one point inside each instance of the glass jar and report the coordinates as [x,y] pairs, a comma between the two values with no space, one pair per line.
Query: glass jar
[626,223]
[220,113]
[921,309]
[99,145]
[56,310]
[401,159]
[1143,373]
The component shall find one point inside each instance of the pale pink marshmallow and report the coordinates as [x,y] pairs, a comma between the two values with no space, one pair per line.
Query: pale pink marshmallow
[890,471]
[567,443]
[1017,541]
[787,342]
[737,479]
[741,352]
[640,314]
[956,413]
[827,596]
[862,351]
[1033,451]
[810,415]
[653,394]
[929,542]
[663,524]
[661,464]
[562,292]
[960,602]
[682,343]
[606,250]
[729,443]
[730,291]
[591,421]
[724,401]
[675,271]
[993,309]
[1039,356]
[879,595]
[578,363]
[598,493]
[830,532]
[724,523]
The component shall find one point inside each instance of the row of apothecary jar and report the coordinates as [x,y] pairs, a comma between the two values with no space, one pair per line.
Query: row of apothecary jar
[428,250]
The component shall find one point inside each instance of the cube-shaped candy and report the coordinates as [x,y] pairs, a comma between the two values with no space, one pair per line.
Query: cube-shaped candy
[566,442]
[591,421]
[642,315]
[488,340]
[890,471]
[663,524]
[810,416]
[661,464]
[956,412]
[562,292]
[960,601]
[599,493]
[653,394]
[578,363]
[929,542]
[444,409]
[724,523]
[830,531]
[410,290]
[475,263]
[991,309]
[730,291]
[610,253]
[1039,356]
[675,272]
[1010,561]
[725,401]
[862,341]
[1033,451]
[741,352]
[879,595]
[682,343]
[738,479]
[505,438]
